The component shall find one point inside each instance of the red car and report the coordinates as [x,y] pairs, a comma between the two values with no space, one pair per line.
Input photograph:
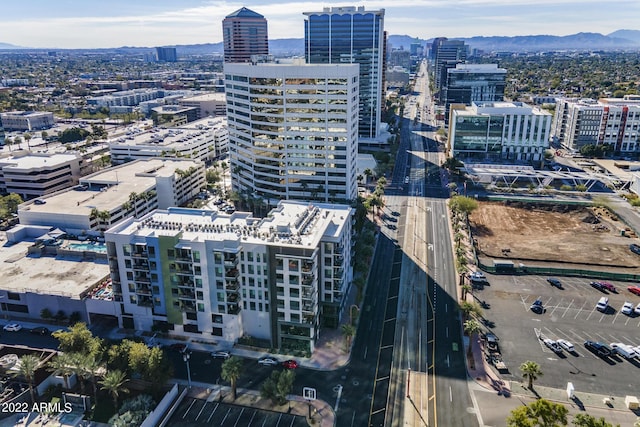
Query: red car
[290,364]
[634,290]
[608,286]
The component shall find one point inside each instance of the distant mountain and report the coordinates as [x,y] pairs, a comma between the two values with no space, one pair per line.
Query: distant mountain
[580,41]
[9,46]
[633,35]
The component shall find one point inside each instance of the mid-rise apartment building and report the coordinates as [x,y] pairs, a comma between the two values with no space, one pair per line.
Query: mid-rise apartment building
[511,131]
[352,35]
[211,275]
[611,121]
[32,175]
[105,198]
[293,131]
[203,140]
[26,121]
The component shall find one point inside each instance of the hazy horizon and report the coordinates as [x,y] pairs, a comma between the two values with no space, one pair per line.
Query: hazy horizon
[75,24]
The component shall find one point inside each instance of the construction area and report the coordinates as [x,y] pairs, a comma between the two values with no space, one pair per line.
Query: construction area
[553,233]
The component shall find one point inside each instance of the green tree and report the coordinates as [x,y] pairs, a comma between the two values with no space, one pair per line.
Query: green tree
[471,327]
[79,339]
[46,314]
[27,137]
[63,365]
[231,370]
[348,331]
[88,367]
[531,371]
[114,382]
[463,204]
[278,386]
[586,420]
[541,413]
[27,367]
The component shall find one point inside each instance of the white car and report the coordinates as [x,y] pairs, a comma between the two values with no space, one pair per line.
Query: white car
[12,327]
[637,309]
[221,354]
[627,308]
[268,361]
[566,345]
[552,345]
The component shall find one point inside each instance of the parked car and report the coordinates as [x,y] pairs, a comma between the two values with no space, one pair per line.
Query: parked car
[603,304]
[566,345]
[537,307]
[635,248]
[623,350]
[290,364]
[598,286]
[40,330]
[179,347]
[12,327]
[268,361]
[552,345]
[608,286]
[492,341]
[554,282]
[634,290]
[637,309]
[627,308]
[598,348]
[221,354]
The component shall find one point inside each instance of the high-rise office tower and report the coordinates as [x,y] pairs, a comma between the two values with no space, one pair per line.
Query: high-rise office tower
[449,53]
[166,54]
[244,34]
[351,35]
[293,131]
[467,83]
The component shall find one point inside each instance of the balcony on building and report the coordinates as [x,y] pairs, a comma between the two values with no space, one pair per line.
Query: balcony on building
[142,278]
[232,286]
[233,308]
[338,260]
[309,309]
[309,319]
[338,271]
[307,266]
[145,301]
[231,273]
[233,297]
[186,294]
[308,280]
[183,271]
[187,306]
[141,264]
[230,260]
[309,294]
[186,283]
[139,251]
[183,255]
[143,290]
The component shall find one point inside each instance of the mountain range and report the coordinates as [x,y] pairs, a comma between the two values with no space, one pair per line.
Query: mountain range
[618,40]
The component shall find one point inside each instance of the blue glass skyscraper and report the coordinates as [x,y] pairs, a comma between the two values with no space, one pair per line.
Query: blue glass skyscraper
[340,35]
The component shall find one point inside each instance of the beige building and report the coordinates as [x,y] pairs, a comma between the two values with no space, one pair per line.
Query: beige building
[210,104]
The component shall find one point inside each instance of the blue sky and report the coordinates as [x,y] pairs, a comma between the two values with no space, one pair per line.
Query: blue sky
[114,23]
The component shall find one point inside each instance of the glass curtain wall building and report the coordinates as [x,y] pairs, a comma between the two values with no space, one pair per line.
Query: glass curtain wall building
[350,35]
[292,132]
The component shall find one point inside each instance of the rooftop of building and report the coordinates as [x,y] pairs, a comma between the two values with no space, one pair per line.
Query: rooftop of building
[345,10]
[500,107]
[116,184]
[172,137]
[244,13]
[68,275]
[213,96]
[37,160]
[25,113]
[171,109]
[475,68]
[296,224]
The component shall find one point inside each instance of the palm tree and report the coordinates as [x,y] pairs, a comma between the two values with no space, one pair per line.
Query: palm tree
[471,327]
[114,382]
[531,371]
[27,366]
[466,288]
[63,365]
[368,173]
[348,331]
[231,370]
[87,367]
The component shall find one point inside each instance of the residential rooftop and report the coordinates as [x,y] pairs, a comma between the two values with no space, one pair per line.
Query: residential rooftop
[289,224]
[67,275]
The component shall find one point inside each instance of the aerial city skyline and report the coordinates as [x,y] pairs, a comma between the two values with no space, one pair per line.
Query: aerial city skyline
[41,24]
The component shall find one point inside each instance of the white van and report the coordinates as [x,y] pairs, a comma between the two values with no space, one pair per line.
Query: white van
[602,304]
[624,350]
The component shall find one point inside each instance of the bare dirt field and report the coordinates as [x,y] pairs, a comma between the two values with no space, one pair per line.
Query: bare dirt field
[552,233]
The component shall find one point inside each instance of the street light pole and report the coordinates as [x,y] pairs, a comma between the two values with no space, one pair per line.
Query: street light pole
[186,356]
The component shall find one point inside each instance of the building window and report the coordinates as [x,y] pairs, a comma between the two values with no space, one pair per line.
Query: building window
[13,296]
[216,332]
[216,318]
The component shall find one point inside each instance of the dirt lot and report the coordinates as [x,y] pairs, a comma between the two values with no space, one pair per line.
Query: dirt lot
[552,233]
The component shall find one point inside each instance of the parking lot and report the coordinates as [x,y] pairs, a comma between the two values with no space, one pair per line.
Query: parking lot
[197,412]
[569,314]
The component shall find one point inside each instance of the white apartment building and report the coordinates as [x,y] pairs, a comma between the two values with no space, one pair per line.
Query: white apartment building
[498,131]
[205,274]
[32,175]
[107,197]
[203,140]
[26,121]
[293,130]
[126,98]
[610,121]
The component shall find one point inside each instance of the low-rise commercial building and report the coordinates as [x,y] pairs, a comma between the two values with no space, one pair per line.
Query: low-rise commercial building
[209,104]
[498,131]
[203,140]
[211,275]
[33,175]
[111,195]
[25,121]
